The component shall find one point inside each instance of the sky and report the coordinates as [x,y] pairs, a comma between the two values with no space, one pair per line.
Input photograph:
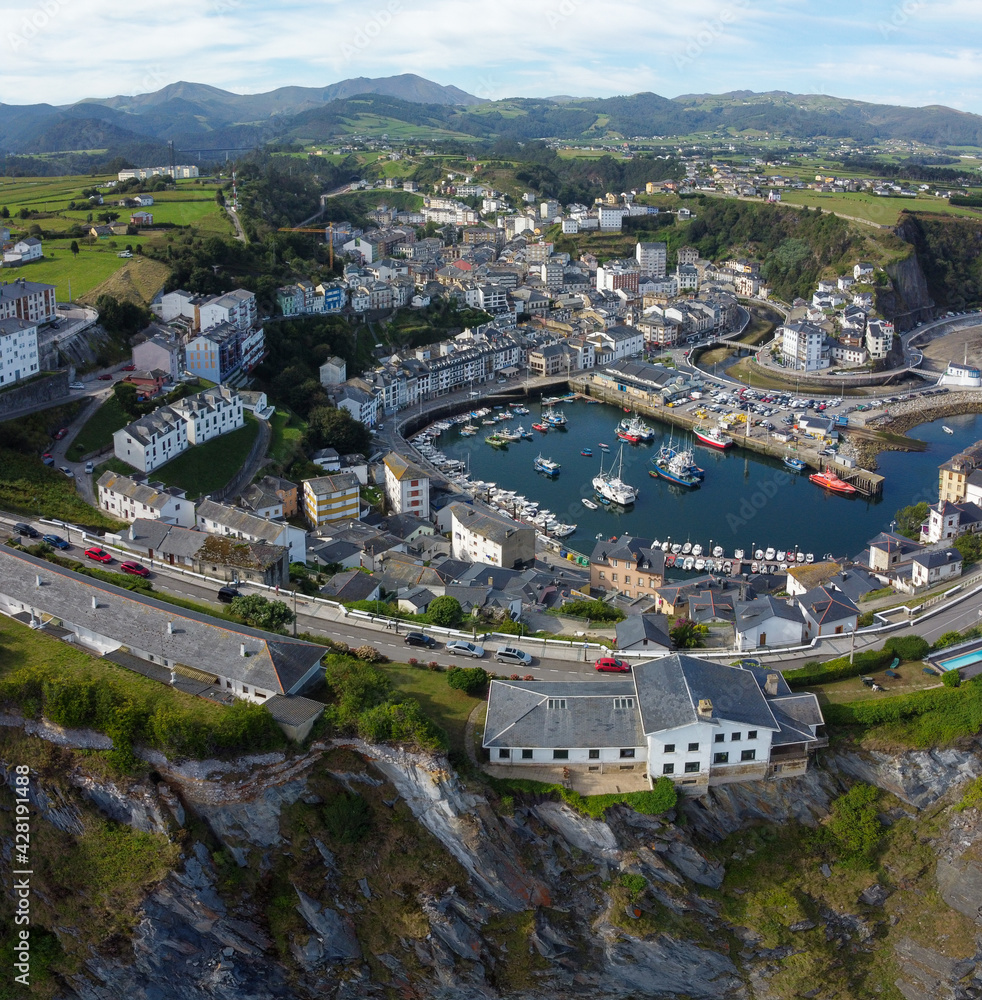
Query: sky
[910,52]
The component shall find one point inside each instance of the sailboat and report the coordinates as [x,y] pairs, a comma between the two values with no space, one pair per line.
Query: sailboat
[614,488]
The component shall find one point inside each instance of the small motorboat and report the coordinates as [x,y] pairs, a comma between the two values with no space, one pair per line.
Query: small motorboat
[800,557]
[947,429]
[737,554]
[587,452]
[755,567]
[669,560]
[759,554]
[769,554]
[782,555]
[700,564]
[540,427]
[697,549]
[727,567]
[603,447]
[717,551]
[689,563]
[809,557]
[687,548]
[588,503]
[676,548]
[795,464]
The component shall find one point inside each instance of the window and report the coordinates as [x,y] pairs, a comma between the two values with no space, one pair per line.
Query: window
[603,576]
[693,748]
[669,748]
[613,577]
[560,755]
[719,738]
[692,767]
[735,737]
[593,754]
[526,755]
[721,758]
[623,703]
[668,769]
[748,755]
[627,579]
[627,752]
[752,734]
[556,703]
[504,754]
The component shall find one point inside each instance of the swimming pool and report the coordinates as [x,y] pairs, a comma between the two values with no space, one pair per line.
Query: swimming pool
[963,660]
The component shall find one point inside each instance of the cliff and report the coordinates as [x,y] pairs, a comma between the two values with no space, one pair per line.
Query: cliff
[361,871]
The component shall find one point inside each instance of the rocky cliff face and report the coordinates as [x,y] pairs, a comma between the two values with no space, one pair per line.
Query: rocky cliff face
[456,899]
[909,300]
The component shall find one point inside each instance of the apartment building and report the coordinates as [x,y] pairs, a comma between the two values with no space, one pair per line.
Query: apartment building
[30,301]
[407,487]
[803,346]
[486,538]
[234,522]
[652,259]
[327,499]
[210,413]
[18,350]
[130,497]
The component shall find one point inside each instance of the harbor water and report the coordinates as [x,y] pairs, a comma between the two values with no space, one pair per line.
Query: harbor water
[746,501]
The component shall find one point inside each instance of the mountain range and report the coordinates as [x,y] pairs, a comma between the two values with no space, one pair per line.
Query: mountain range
[198,117]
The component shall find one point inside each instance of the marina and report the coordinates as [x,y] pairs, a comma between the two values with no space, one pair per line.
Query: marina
[747,510]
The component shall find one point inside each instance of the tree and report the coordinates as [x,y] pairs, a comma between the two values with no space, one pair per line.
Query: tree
[686,634]
[260,612]
[74,248]
[908,647]
[470,680]
[969,546]
[910,518]
[330,427]
[126,394]
[445,611]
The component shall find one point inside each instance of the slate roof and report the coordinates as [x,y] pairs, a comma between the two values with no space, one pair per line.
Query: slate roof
[153,495]
[637,551]
[276,663]
[824,605]
[670,689]
[494,529]
[710,605]
[339,482]
[145,534]
[333,551]
[855,583]
[751,613]
[350,585]
[641,631]
[293,710]
[402,469]
[241,521]
[939,557]
[519,715]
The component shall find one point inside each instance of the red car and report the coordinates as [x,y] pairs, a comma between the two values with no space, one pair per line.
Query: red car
[611,665]
[105,378]
[58,435]
[99,555]
[128,368]
[135,568]
[47,458]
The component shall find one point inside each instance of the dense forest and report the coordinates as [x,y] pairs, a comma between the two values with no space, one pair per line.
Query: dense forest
[950,254]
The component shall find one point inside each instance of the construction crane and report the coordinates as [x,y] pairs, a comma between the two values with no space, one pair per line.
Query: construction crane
[315,229]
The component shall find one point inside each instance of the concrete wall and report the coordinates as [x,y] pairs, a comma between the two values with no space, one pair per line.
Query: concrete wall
[51,389]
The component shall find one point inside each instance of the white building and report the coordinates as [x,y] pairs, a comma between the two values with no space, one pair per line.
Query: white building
[154,439]
[652,258]
[210,413]
[879,338]
[24,251]
[965,376]
[803,346]
[484,538]
[929,568]
[18,350]
[611,217]
[30,301]
[695,722]
[407,487]
[182,171]
[127,498]
[233,522]
[687,278]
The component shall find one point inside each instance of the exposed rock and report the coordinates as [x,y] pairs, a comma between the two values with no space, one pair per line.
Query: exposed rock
[333,940]
[960,884]
[875,895]
[690,863]
[587,834]
[138,805]
[918,777]
[449,925]
[50,803]
[927,975]
[803,925]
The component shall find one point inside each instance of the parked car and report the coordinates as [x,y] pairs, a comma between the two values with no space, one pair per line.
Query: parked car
[125,253]
[47,458]
[611,665]
[105,378]
[66,471]
[89,467]
[128,368]
[419,639]
[99,555]
[26,529]
[465,648]
[227,594]
[59,434]
[76,385]
[510,654]
[57,541]
[134,568]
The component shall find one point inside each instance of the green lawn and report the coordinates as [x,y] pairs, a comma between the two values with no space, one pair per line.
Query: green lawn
[97,432]
[207,467]
[288,431]
[81,273]
[882,211]
[446,706]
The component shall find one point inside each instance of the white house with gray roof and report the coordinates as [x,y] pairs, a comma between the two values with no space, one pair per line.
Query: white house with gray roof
[129,497]
[696,722]
[222,519]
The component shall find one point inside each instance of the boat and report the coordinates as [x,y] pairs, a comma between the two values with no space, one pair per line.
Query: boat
[669,561]
[830,481]
[795,464]
[625,436]
[713,436]
[665,546]
[489,423]
[587,452]
[717,551]
[640,429]
[710,565]
[588,503]
[759,554]
[510,435]
[689,563]
[547,466]
[947,429]
[469,430]
[800,557]
[700,564]
[554,418]
[727,567]
[738,554]
[687,548]
[674,472]
[769,554]
[603,500]
[603,447]
[782,556]
[540,427]
[809,557]
[564,530]
[755,567]
[613,487]
[697,549]
[676,548]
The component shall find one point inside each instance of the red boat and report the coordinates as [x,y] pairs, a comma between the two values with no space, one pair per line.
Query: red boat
[540,427]
[831,481]
[713,436]
[624,436]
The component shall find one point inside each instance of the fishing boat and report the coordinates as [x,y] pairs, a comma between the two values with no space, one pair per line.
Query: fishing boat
[603,447]
[540,427]
[555,418]
[496,441]
[527,435]
[713,436]
[947,429]
[546,466]
[510,435]
[830,481]
[637,428]
[795,464]
[625,436]
[587,452]
[613,487]
[588,503]
[674,471]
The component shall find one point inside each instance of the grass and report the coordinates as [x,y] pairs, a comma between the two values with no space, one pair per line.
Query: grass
[97,431]
[288,431]
[208,467]
[443,704]
[879,211]
[851,689]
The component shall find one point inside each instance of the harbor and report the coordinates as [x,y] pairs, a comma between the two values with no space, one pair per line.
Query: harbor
[749,508]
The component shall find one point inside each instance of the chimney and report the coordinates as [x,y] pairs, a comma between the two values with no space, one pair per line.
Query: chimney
[170,628]
[133,532]
[37,580]
[95,601]
[242,649]
[770,685]
[705,708]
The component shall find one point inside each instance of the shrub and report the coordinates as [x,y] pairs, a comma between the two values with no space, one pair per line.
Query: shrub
[821,673]
[972,799]
[445,611]
[347,818]
[633,882]
[594,610]
[854,823]
[908,647]
[951,679]
[369,654]
[432,665]
[947,639]
[470,680]
[865,619]
[413,662]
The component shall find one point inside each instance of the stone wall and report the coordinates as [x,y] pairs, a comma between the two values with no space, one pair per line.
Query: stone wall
[51,389]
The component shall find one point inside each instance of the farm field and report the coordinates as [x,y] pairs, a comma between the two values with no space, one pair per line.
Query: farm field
[880,211]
